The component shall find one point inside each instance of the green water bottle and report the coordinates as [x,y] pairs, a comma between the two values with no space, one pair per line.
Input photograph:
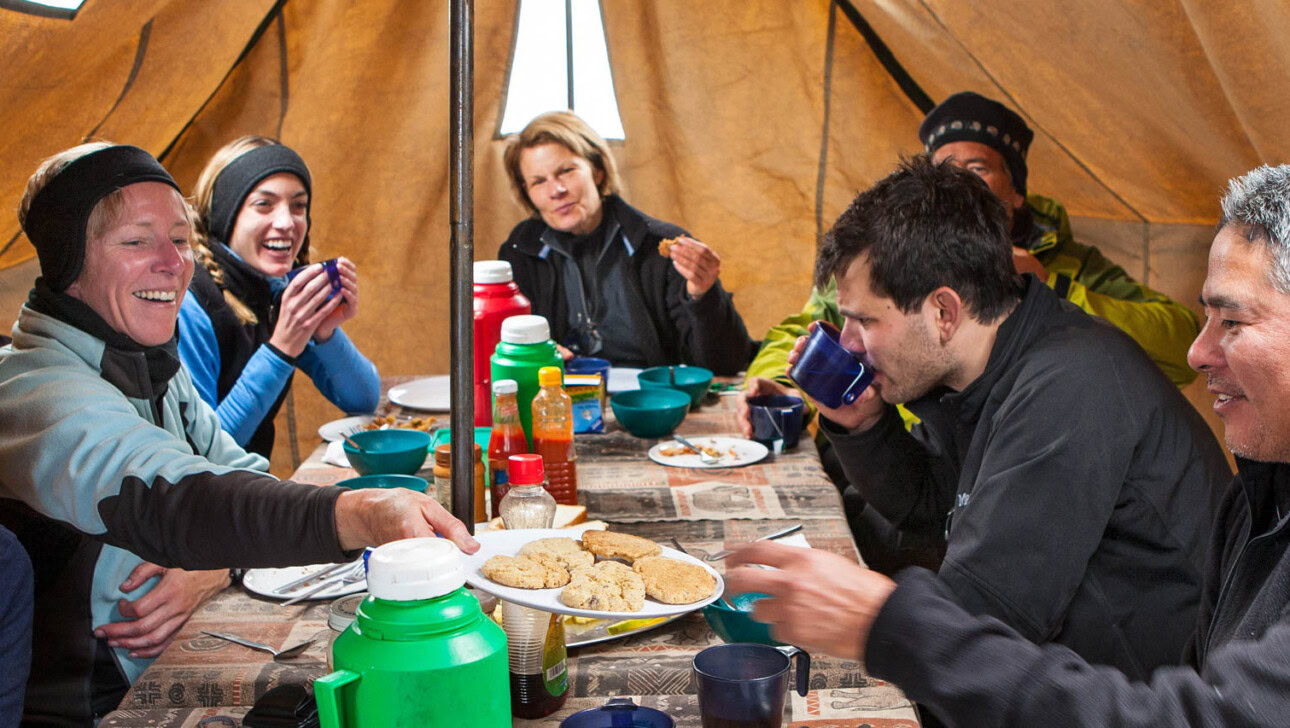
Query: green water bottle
[526,347]
[420,652]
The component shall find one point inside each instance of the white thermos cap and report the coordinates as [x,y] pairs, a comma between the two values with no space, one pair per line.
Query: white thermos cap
[526,329]
[415,568]
[493,271]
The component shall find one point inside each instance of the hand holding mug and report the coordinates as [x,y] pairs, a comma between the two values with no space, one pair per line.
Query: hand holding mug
[755,387]
[830,379]
[348,307]
[304,306]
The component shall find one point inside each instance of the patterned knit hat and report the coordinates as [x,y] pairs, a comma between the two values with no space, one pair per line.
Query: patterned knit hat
[970,117]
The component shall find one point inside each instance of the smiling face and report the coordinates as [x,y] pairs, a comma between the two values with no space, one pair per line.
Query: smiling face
[985,163]
[563,187]
[136,273]
[271,226]
[902,349]
[1244,347]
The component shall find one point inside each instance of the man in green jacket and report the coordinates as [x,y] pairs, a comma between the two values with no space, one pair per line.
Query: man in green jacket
[989,139]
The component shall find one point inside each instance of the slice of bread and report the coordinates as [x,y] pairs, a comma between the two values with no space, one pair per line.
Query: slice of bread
[565,516]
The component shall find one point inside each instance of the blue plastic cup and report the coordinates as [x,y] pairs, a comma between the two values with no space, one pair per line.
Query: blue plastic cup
[330,268]
[744,684]
[827,372]
[588,365]
[776,420]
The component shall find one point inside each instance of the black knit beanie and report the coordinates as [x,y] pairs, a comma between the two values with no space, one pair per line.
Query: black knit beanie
[970,117]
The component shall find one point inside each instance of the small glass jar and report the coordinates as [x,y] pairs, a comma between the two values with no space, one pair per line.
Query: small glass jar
[443,478]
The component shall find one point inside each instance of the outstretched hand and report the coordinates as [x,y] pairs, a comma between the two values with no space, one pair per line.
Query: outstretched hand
[374,516]
[817,600]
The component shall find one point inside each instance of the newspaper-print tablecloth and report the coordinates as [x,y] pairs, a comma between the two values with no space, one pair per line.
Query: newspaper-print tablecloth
[202,681]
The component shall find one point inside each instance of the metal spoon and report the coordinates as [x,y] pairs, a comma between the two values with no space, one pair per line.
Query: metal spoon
[768,537]
[704,456]
[355,445]
[278,655]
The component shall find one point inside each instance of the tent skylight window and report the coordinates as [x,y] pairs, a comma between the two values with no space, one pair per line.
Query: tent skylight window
[540,67]
[48,8]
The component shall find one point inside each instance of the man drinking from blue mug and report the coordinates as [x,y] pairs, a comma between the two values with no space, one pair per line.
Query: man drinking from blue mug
[1074,483]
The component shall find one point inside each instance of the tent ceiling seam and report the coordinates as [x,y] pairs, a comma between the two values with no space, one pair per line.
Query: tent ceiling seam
[1222,84]
[1079,162]
[285,86]
[140,51]
[250,43]
[912,90]
[9,244]
[822,171]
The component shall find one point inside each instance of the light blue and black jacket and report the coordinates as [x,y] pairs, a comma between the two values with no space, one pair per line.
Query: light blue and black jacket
[101,468]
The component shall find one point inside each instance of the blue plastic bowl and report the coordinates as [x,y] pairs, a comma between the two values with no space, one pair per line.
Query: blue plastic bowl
[738,625]
[650,412]
[694,381]
[389,452]
[411,482]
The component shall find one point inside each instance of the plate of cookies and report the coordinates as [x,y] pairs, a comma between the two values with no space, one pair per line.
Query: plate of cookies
[725,452]
[606,574]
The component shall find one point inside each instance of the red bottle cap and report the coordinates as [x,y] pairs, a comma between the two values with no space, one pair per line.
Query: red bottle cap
[525,470]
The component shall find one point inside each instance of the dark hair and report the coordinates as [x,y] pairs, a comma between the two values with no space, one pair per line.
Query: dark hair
[924,226]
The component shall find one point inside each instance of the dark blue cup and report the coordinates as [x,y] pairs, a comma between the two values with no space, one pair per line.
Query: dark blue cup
[826,371]
[619,713]
[743,684]
[776,420]
[330,268]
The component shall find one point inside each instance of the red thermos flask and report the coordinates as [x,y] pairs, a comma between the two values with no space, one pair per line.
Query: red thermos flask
[496,299]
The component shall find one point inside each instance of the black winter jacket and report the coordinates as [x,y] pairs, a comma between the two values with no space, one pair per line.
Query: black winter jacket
[979,672]
[1074,481]
[706,332]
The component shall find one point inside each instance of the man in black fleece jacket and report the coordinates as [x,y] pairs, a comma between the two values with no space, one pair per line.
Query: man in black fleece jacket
[977,671]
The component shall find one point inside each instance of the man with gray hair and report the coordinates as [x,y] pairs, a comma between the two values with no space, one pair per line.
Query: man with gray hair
[978,671]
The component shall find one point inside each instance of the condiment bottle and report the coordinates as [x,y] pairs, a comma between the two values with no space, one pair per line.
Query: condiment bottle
[553,436]
[443,478]
[506,439]
[525,348]
[420,651]
[534,639]
[497,298]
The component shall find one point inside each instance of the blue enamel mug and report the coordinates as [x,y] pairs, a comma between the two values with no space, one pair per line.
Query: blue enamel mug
[827,372]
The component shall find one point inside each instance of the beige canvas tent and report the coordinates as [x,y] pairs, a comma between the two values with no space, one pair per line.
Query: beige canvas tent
[750,122]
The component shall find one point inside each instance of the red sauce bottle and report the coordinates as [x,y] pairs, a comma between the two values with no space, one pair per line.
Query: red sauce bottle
[553,436]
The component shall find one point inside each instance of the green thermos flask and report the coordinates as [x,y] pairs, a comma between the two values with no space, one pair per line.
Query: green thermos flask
[421,652]
[526,347]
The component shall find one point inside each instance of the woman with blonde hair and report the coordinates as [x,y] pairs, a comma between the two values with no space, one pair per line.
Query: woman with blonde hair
[594,266]
[246,327]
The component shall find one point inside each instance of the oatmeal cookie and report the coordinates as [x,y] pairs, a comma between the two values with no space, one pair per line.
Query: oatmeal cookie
[524,572]
[611,545]
[674,582]
[608,586]
[567,552]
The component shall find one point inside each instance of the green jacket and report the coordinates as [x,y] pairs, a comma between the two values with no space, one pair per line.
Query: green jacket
[1164,328]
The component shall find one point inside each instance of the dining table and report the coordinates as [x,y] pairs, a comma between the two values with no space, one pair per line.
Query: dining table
[202,681]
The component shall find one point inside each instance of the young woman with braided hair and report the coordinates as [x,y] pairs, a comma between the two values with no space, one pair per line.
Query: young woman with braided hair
[246,328]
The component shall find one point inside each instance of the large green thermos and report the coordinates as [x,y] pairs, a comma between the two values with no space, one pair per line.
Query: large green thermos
[526,347]
[420,653]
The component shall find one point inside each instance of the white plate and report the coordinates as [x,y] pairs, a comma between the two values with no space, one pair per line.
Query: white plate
[265,581]
[508,543]
[432,393]
[334,430]
[622,379]
[747,452]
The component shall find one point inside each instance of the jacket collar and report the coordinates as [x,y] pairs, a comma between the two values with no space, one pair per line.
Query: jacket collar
[1261,483]
[245,282]
[631,221]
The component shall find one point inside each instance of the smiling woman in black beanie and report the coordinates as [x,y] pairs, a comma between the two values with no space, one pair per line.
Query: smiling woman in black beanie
[246,328]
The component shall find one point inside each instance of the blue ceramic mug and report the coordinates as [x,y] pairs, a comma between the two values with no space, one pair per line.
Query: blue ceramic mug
[827,372]
[746,684]
[330,268]
[776,420]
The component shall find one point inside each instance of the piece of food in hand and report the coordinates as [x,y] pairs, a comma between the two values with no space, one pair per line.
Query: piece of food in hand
[613,545]
[537,571]
[665,247]
[607,586]
[565,551]
[674,582]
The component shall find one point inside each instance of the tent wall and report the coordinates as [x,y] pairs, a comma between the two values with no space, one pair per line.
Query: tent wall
[1143,109]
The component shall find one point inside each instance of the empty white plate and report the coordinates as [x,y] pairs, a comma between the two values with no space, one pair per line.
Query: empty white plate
[432,393]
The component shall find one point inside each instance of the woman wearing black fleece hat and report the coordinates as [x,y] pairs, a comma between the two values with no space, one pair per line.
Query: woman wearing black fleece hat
[246,327]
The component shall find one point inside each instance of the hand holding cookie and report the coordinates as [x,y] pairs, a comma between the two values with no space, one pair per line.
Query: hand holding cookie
[699,264]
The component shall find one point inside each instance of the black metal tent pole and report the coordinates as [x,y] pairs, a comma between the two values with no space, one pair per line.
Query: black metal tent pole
[461,261]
